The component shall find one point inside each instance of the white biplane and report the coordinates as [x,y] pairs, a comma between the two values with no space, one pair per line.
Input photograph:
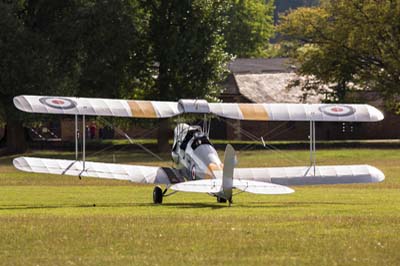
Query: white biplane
[198,166]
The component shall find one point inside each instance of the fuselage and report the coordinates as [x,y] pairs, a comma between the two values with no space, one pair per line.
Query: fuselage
[194,154]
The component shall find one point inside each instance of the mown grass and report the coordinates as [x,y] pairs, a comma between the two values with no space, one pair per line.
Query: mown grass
[59,220]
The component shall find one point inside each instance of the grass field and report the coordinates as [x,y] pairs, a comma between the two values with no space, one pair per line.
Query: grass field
[60,220]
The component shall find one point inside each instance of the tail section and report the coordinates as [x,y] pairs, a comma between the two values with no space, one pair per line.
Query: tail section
[227,174]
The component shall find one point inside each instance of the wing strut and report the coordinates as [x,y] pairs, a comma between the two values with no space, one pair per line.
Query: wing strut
[83,142]
[312,148]
[83,133]
[76,137]
[312,145]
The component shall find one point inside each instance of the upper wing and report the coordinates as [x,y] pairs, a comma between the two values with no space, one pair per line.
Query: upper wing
[292,176]
[297,112]
[133,173]
[160,109]
[95,106]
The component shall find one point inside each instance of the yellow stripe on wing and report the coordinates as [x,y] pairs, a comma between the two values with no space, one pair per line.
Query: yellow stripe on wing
[142,109]
[253,111]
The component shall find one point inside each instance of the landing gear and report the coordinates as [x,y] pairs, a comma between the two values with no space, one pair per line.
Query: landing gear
[230,201]
[221,200]
[157,195]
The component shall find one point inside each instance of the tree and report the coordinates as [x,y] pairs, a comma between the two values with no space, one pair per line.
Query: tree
[91,48]
[283,6]
[157,49]
[250,27]
[25,66]
[348,42]
[113,49]
[188,48]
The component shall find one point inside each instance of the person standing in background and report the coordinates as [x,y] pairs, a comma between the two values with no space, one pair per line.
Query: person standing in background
[92,130]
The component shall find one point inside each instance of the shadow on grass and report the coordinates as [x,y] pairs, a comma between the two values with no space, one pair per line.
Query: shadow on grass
[112,205]
[93,205]
[183,205]
[264,205]
[292,204]
[196,205]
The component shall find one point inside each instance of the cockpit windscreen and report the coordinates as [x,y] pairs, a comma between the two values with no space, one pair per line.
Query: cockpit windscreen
[200,141]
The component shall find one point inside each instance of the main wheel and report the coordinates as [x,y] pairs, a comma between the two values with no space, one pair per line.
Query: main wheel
[157,195]
[221,200]
[230,201]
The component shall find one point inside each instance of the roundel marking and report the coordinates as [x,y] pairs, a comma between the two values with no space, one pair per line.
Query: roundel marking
[58,102]
[337,110]
[193,172]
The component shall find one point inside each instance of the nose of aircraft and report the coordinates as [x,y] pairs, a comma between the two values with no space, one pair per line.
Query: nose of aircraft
[207,157]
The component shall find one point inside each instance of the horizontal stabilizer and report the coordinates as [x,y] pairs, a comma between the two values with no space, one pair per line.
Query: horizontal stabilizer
[215,186]
[201,186]
[133,173]
[261,187]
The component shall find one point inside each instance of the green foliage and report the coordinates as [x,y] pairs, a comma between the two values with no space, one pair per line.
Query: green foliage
[81,48]
[112,48]
[24,64]
[117,48]
[250,27]
[187,47]
[91,48]
[283,6]
[157,49]
[348,43]
[113,51]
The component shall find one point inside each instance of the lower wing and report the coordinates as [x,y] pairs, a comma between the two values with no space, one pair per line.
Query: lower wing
[296,176]
[250,177]
[133,173]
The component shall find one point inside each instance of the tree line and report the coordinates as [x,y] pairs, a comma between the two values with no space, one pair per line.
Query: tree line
[142,49]
[172,49]
[348,44]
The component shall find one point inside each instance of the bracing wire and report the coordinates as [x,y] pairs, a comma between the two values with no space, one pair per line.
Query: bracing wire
[147,133]
[266,135]
[131,141]
[270,147]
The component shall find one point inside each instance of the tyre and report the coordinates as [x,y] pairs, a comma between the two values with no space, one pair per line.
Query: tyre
[221,200]
[157,195]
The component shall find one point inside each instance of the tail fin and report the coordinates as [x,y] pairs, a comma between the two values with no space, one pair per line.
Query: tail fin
[227,174]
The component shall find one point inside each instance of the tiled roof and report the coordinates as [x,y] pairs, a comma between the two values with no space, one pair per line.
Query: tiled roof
[273,88]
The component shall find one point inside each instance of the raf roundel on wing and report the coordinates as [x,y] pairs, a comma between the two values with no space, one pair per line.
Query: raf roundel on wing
[58,102]
[337,110]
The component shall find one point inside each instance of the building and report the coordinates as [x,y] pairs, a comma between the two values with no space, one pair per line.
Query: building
[268,81]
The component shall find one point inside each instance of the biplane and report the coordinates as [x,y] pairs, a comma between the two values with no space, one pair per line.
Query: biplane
[198,167]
